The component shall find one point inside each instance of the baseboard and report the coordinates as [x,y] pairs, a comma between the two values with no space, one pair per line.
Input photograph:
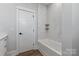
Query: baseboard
[12,53]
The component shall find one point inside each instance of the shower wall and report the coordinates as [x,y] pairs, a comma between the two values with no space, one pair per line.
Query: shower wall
[60,20]
[54,21]
[50,14]
[42,20]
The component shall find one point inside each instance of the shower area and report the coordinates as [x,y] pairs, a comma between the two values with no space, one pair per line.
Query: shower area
[49,29]
[56,24]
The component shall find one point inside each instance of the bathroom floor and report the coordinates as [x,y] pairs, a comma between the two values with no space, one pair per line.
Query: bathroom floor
[30,53]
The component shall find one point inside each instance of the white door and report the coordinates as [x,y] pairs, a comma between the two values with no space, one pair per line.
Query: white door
[25,30]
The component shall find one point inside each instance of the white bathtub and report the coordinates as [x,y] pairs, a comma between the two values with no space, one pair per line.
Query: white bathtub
[49,47]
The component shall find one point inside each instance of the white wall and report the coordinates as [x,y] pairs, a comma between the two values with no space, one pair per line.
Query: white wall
[70,35]
[42,20]
[75,23]
[8,22]
[67,29]
[54,20]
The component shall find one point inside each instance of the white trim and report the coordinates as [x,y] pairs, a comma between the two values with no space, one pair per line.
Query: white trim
[28,10]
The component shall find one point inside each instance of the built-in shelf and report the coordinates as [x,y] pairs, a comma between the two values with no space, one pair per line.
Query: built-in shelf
[46,26]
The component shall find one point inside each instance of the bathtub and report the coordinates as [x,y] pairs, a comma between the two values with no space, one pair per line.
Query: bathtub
[49,47]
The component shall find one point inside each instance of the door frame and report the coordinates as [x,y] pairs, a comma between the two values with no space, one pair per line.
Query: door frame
[34,17]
